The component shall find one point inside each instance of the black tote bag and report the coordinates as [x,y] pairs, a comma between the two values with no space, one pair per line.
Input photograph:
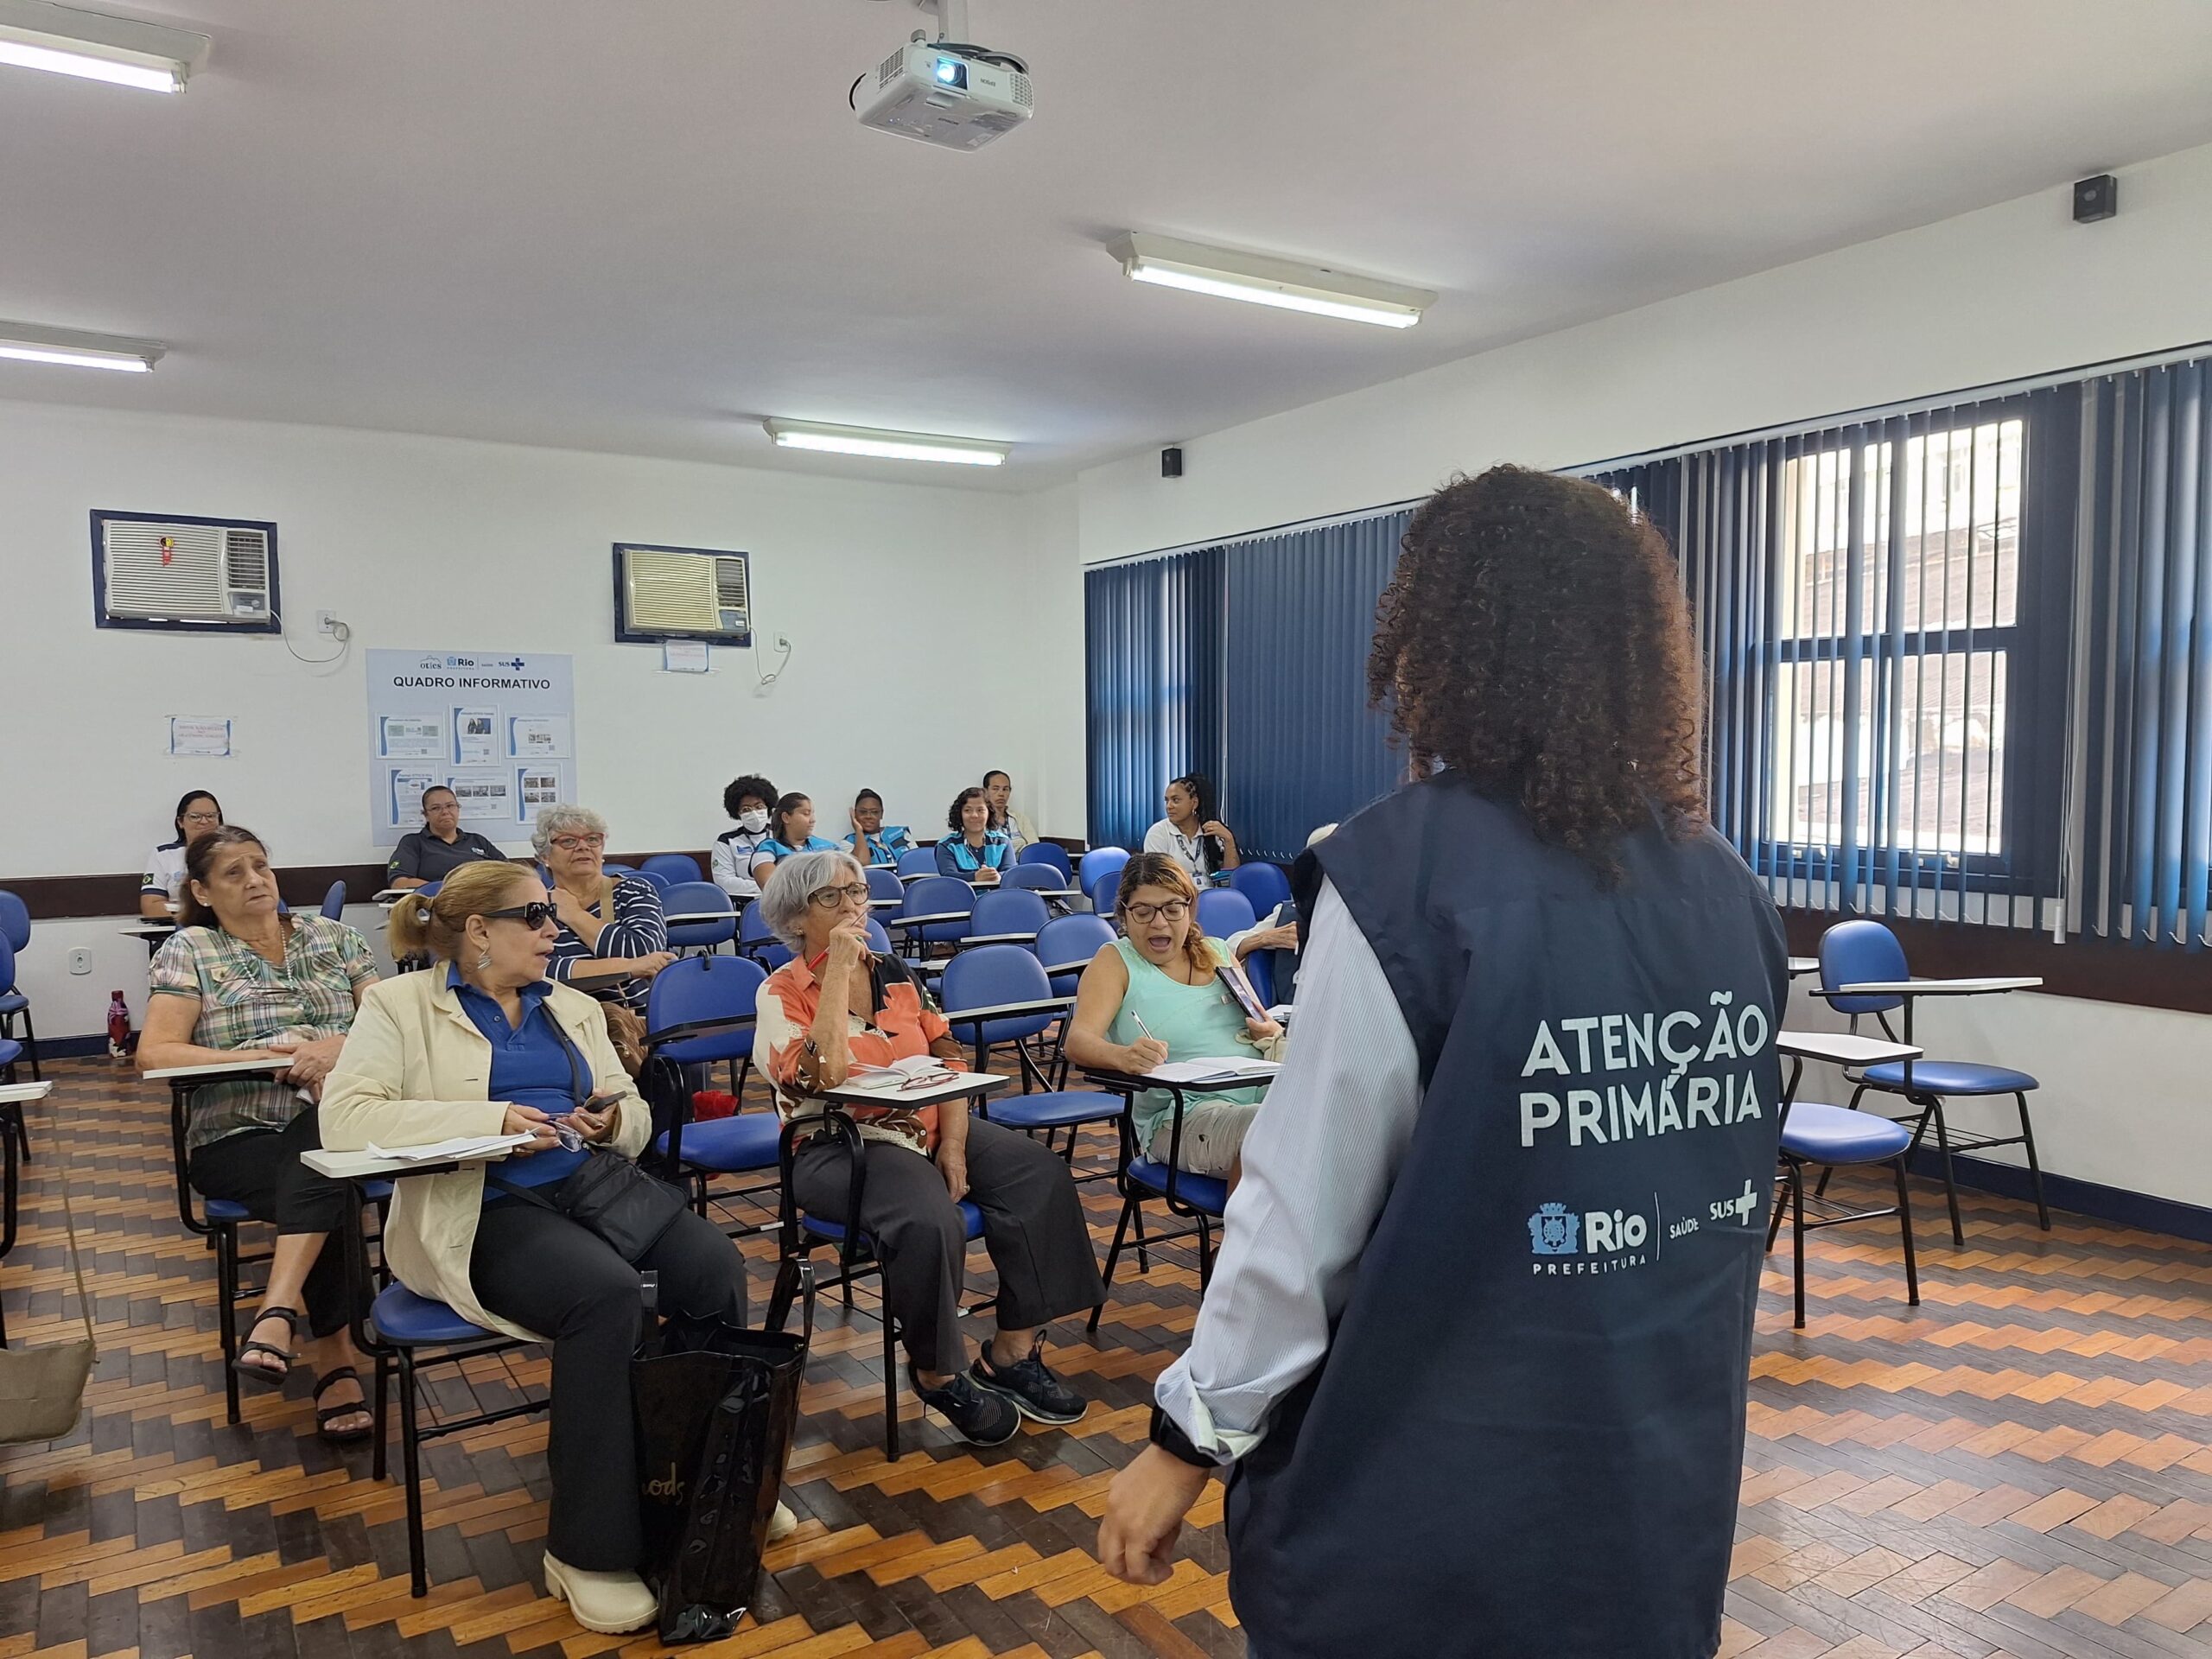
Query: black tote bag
[715,1407]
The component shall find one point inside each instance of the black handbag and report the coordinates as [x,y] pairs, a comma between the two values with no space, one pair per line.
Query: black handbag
[715,1405]
[607,1194]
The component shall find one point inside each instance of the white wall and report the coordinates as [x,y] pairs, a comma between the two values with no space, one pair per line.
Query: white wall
[938,632]
[2015,290]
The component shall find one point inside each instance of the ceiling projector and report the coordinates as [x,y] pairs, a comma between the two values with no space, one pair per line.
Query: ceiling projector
[947,93]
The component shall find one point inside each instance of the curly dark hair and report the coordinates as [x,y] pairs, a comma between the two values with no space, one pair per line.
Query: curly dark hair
[1535,638]
[973,792]
[758,788]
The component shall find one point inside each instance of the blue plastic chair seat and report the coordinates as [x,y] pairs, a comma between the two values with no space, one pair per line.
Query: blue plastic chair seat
[403,1318]
[1949,1077]
[821,1227]
[1206,1192]
[376,1192]
[729,1145]
[1829,1134]
[226,1210]
[1058,1110]
[14,1002]
[10,1050]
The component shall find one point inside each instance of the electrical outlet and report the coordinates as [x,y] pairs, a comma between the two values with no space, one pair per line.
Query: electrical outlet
[326,621]
[80,961]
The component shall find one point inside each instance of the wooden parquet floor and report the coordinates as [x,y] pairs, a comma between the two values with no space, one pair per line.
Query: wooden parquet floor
[2021,1466]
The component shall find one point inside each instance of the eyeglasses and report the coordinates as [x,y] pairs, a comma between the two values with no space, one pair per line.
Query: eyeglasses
[203,817]
[830,897]
[1174,911]
[579,844]
[532,916]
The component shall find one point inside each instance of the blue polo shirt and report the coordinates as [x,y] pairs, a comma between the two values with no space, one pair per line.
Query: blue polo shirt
[532,1065]
[777,850]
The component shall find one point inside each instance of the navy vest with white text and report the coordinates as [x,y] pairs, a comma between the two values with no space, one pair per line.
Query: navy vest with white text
[1527,1435]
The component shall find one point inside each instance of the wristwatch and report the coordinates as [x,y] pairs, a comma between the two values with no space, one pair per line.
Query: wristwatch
[1167,1434]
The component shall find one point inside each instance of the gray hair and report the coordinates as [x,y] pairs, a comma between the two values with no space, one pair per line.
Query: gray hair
[562,819]
[791,887]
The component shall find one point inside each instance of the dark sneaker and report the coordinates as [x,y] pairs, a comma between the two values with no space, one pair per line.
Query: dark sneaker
[977,1415]
[1034,1390]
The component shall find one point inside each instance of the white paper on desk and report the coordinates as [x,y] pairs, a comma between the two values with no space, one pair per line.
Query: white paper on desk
[439,1152]
[1210,1070]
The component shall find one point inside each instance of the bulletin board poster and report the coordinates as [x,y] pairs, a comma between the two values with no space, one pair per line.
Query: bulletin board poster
[497,728]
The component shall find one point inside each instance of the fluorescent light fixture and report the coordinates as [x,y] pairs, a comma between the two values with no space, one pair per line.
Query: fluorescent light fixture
[895,445]
[1264,281]
[29,343]
[37,34]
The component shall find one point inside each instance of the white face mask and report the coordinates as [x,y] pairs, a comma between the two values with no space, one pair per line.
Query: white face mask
[752,822]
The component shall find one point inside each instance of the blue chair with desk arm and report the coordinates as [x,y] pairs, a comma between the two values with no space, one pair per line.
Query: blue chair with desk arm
[1223,911]
[713,922]
[1264,885]
[1036,878]
[1141,1179]
[671,868]
[1863,972]
[801,1235]
[754,940]
[15,937]
[700,1012]
[1011,984]
[1065,945]
[917,861]
[938,911]
[1050,855]
[1835,1137]
[1098,864]
[1006,916]
[333,902]
[884,887]
[414,1335]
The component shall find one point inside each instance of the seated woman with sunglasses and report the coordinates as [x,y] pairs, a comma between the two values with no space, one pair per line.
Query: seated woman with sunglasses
[834,1004]
[485,1043]
[613,936]
[1153,994]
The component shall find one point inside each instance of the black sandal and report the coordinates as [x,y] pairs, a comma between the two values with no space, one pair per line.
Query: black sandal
[268,1376]
[326,1415]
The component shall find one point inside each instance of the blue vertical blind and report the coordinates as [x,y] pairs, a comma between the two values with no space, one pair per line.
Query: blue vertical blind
[1874,603]
[1153,655]
[2145,643]
[1304,747]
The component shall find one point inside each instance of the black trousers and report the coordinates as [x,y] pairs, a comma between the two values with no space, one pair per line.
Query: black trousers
[546,1272]
[260,1169]
[1032,1226]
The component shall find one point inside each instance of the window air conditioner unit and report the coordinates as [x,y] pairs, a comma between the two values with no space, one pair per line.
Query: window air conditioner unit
[175,573]
[682,593]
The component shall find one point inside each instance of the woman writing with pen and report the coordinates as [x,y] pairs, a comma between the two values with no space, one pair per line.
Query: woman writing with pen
[1156,993]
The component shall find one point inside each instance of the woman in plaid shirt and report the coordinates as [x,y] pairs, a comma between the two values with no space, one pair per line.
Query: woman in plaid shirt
[239,981]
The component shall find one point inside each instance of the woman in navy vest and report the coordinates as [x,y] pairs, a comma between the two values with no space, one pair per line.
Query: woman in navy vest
[1474,1357]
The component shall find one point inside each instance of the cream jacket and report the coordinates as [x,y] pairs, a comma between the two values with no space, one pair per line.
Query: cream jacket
[414,1069]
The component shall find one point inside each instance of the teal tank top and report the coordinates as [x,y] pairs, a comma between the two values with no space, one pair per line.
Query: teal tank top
[1195,1022]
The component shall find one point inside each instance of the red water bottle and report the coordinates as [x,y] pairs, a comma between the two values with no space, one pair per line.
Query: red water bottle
[119,1027]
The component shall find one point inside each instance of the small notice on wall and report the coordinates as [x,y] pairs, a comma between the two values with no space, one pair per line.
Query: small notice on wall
[684,657]
[497,727]
[198,735]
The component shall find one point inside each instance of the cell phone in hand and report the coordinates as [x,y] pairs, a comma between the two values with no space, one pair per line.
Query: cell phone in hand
[1233,983]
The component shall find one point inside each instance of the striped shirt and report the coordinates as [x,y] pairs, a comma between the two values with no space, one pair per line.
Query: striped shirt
[246,1002]
[639,929]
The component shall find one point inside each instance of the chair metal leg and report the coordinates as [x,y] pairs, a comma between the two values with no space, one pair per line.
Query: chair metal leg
[1144,1260]
[1904,1226]
[1950,1186]
[1781,1202]
[225,1238]
[1113,1253]
[2035,1169]
[779,1298]
[1205,1253]
[1797,1236]
[379,1461]
[30,1052]
[890,1385]
[410,1463]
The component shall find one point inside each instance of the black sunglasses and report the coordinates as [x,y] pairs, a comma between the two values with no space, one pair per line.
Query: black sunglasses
[532,916]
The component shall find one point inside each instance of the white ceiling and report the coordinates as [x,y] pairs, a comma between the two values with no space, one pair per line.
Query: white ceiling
[639,225]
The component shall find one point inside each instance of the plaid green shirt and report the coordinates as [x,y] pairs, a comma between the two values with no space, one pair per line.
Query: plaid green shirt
[245,1002]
